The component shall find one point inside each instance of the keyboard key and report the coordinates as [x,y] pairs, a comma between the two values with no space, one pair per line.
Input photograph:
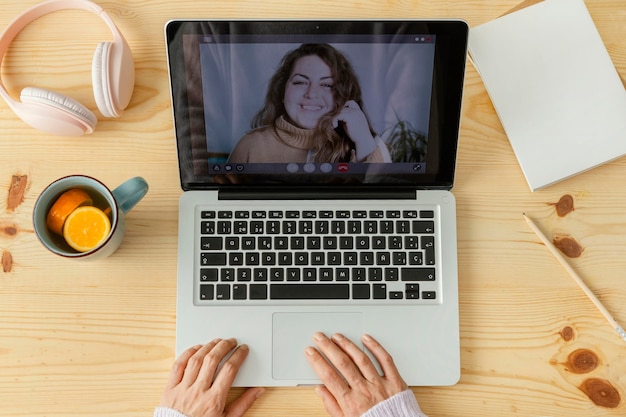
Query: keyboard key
[412,291]
[346,242]
[207,228]
[293,274]
[207,258]
[260,274]
[380,291]
[396,295]
[342,274]
[211,243]
[429,295]
[227,275]
[360,291]
[224,214]
[268,258]
[208,274]
[258,291]
[222,292]
[428,244]
[392,274]
[326,274]
[207,292]
[309,291]
[277,274]
[417,274]
[240,292]
[244,274]
[423,226]
[375,274]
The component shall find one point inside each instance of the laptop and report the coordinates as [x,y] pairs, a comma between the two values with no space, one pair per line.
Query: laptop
[316,162]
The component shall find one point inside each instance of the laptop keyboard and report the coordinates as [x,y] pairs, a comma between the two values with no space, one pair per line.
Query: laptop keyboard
[349,256]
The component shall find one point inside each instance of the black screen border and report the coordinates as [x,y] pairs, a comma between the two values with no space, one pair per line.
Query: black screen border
[448,78]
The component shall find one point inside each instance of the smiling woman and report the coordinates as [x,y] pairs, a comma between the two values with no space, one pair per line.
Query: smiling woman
[313,112]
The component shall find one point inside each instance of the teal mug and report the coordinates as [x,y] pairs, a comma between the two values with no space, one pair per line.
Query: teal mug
[116,204]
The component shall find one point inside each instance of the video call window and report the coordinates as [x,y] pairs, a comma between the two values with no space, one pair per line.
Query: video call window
[393,73]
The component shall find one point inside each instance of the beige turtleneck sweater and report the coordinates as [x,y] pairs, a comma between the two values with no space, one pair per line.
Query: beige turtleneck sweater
[284,144]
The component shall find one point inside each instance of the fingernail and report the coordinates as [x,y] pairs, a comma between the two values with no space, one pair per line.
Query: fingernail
[309,351]
[338,337]
[367,338]
[259,392]
[216,340]
[319,336]
[243,347]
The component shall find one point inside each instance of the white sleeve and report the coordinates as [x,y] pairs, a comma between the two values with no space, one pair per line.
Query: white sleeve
[402,404]
[167,412]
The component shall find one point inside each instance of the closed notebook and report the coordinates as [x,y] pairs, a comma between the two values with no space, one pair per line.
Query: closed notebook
[553,84]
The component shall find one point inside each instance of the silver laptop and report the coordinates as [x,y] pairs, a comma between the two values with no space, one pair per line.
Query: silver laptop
[316,160]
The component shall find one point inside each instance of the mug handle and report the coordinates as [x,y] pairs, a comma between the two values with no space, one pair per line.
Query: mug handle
[129,193]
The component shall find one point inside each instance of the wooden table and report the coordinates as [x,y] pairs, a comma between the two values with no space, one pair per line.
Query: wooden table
[97,339]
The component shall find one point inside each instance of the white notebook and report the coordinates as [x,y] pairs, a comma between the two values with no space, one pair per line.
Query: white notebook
[558,95]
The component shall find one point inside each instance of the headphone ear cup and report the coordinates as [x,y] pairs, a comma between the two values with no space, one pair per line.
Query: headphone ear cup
[55,113]
[113,77]
[100,80]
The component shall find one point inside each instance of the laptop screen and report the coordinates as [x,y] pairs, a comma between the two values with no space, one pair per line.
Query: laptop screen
[331,103]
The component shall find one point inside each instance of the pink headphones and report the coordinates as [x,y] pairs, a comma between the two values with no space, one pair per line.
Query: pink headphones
[112,71]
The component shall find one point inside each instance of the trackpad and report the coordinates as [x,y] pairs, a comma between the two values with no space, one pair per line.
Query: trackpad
[293,332]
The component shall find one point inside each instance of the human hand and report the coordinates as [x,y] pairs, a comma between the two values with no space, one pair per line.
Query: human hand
[354,385]
[356,127]
[197,388]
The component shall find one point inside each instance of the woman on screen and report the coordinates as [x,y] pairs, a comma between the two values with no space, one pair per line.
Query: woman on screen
[312,113]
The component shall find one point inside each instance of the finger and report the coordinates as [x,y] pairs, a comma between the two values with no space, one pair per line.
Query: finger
[226,375]
[385,360]
[195,362]
[212,360]
[327,374]
[339,359]
[178,368]
[363,363]
[330,403]
[242,404]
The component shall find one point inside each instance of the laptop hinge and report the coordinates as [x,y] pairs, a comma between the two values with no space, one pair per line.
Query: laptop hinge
[317,194]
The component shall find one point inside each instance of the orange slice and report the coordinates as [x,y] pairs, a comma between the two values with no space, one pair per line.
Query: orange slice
[63,206]
[85,228]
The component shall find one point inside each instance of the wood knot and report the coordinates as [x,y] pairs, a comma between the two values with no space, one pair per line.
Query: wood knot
[17,189]
[568,246]
[601,392]
[567,333]
[8,230]
[564,206]
[7,262]
[582,361]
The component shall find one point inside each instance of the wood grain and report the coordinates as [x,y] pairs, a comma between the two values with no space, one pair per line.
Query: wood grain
[97,339]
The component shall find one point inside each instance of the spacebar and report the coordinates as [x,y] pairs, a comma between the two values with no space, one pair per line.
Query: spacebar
[309,291]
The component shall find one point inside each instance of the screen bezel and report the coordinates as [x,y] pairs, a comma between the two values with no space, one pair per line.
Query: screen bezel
[448,76]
